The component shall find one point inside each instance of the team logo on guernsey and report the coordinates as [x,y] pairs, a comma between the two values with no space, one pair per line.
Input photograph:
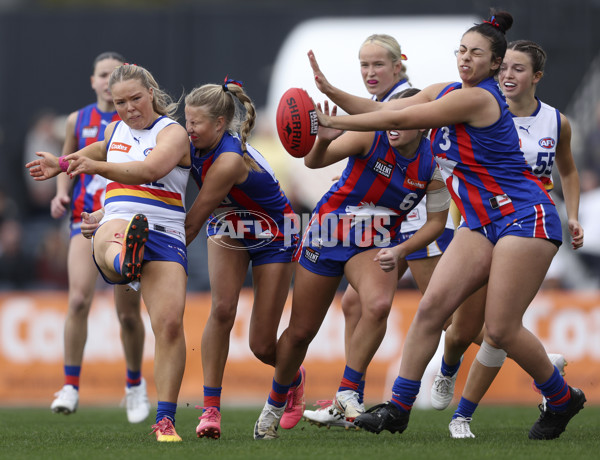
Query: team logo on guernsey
[414,184]
[256,228]
[311,255]
[383,168]
[89,131]
[547,143]
[120,147]
[147,151]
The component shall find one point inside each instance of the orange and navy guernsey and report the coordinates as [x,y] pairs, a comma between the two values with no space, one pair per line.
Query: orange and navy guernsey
[374,193]
[88,189]
[256,208]
[484,169]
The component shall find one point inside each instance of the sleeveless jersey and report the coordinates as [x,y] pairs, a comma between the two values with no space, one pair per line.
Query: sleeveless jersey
[88,190]
[162,202]
[375,192]
[259,199]
[538,137]
[417,217]
[484,169]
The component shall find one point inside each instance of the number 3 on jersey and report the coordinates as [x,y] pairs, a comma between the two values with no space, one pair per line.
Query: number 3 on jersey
[445,146]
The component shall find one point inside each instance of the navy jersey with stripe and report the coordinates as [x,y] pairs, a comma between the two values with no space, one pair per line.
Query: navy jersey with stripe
[259,197]
[484,169]
[88,190]
[376,191]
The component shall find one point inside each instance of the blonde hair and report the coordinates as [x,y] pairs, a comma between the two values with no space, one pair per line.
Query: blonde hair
[231,102]
[161,101]
[391,45]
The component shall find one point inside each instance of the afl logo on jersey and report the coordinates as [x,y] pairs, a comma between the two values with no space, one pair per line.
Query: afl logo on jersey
[89,131]
[147,151]
[547,143]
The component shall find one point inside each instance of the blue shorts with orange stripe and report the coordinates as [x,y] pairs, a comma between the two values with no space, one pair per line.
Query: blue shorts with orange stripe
[539,221]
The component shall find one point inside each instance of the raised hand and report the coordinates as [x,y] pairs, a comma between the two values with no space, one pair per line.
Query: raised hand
[320,80]
[324,115]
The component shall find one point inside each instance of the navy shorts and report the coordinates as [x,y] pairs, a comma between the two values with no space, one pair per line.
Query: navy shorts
[159,247]
[437,248]
[539,221]
[272,252]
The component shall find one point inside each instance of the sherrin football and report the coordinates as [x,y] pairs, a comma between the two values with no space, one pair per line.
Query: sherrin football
[297,122]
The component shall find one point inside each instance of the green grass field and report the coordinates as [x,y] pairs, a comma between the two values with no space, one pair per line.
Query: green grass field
[103,433]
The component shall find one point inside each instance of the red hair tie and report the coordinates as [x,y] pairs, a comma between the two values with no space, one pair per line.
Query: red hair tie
[493,22]
[228,81]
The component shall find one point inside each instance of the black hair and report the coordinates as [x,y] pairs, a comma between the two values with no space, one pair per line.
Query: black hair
[494,29]
[107,55]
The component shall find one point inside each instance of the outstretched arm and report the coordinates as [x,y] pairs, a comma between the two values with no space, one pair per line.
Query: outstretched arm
[348,102]
[60,202]
[331,147]
[354,104]
[172,149]
[50,165]
[473,106]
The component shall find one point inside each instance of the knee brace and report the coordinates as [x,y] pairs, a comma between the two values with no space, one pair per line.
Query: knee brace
[490,356]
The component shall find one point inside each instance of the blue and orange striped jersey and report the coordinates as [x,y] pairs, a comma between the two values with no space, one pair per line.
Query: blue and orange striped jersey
[484,169]
[260,196]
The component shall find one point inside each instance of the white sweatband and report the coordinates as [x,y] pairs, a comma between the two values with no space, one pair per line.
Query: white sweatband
[438,200]
[490,356]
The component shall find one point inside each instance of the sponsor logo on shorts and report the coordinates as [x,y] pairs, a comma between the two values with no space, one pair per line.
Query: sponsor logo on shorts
[311,255]
[119,147]
[383,168]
